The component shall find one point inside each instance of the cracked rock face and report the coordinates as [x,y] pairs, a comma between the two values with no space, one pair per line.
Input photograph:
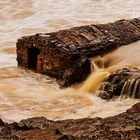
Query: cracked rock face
[124,126]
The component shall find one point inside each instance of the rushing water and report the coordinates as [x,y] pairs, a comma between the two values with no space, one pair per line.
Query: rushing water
[25,94]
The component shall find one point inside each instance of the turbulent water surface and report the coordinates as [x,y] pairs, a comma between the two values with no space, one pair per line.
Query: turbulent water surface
[26,94]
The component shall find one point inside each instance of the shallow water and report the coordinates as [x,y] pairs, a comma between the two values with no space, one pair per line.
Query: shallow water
[25,94]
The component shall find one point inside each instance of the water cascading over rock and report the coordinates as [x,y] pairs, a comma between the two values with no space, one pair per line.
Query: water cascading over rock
[131,88]
[124,82]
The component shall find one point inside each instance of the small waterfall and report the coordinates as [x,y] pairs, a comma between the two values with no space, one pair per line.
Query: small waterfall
[94,66]
[94,81]
[136,91]
[98,61]
[131,88]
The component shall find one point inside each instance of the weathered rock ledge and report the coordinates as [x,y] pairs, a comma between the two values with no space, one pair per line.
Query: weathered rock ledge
[65,54]
[125,126]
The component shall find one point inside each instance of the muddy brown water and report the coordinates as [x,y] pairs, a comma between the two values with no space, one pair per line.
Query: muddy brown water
[25,94]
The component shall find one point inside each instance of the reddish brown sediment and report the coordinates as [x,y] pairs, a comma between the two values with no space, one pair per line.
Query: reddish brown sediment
[64,54]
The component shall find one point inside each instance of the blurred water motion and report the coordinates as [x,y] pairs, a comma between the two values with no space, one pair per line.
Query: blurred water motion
[26,94]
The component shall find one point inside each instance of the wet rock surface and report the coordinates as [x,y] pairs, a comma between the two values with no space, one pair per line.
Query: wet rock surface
[125,126]
[65,53]
[122,81]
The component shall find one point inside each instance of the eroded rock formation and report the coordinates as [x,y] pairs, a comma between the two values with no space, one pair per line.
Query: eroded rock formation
[64,54]
[125,126]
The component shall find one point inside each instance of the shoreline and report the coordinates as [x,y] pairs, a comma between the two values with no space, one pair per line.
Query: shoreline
[123,127]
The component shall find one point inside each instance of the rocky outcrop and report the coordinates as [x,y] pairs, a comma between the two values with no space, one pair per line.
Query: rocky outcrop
[64,54]
[125,126]
[124,82]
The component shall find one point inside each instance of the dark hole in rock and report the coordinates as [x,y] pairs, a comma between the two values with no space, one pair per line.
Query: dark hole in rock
[33,57]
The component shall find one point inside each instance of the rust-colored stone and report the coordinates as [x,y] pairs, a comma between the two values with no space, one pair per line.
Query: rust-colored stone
[64,54]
